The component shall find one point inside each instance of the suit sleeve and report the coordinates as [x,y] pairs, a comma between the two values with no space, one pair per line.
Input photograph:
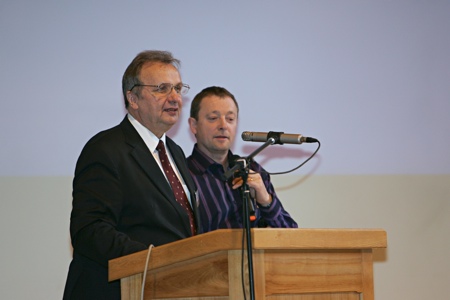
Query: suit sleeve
[97,207]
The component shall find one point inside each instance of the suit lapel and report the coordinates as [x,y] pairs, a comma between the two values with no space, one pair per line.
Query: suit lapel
[147,162]
[145,159]
[180,160]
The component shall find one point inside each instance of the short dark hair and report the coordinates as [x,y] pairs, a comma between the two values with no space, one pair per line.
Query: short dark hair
[131,76]
[209,91]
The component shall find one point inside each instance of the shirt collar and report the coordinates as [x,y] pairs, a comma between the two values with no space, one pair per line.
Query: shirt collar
[204,162]
[150,139]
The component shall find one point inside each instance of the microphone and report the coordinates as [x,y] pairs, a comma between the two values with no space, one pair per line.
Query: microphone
[235,163]
[279,137]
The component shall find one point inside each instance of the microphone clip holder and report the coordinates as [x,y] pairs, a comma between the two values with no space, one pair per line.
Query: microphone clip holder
[276,136]
[242,168]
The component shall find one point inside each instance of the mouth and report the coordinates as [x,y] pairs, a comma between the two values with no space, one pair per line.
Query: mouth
[221,137]
[171,111]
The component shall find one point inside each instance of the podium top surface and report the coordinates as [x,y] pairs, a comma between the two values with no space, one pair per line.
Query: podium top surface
[262,239]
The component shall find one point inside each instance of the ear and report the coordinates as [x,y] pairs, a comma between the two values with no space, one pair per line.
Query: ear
[132,100]
[193,125]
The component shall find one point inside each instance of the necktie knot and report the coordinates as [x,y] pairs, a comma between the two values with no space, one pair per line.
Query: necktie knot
[162,153]
[160,147]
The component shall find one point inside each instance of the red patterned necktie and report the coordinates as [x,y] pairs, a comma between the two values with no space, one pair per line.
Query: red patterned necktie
[177,188]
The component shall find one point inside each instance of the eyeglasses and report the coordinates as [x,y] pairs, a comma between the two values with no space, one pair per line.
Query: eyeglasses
[166,88]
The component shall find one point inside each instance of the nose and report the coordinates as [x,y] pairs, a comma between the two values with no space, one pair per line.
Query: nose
[223,124]
[173,96]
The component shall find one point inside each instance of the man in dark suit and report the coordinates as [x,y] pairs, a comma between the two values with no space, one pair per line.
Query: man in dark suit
[122,201]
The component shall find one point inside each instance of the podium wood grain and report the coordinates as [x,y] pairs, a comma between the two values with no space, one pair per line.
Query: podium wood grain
[303,264]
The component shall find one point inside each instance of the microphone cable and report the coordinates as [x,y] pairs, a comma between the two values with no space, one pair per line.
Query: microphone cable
[144,277]
[286,172]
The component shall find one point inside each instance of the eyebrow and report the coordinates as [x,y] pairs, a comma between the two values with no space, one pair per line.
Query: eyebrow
[218,112]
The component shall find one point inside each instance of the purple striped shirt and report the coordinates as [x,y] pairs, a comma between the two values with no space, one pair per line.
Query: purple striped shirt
[221,207]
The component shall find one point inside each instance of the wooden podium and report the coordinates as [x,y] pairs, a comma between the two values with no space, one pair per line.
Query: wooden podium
[288,264]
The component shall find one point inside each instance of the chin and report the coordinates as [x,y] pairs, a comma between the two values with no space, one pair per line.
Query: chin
[223,148]
[172,120]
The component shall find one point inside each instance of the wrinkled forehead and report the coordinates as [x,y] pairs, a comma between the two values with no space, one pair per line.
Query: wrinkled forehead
[160,72]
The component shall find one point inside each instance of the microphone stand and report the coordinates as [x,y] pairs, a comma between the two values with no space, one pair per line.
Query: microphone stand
[247,203]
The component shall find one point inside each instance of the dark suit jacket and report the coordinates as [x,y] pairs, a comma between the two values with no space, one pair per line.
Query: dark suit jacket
[122,203]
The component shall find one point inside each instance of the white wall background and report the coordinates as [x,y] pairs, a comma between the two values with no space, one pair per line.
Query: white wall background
[369,79]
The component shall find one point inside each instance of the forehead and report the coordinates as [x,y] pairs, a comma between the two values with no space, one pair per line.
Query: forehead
[160,72]
[215,104]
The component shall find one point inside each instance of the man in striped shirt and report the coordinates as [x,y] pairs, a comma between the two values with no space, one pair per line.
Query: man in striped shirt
[213,121]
